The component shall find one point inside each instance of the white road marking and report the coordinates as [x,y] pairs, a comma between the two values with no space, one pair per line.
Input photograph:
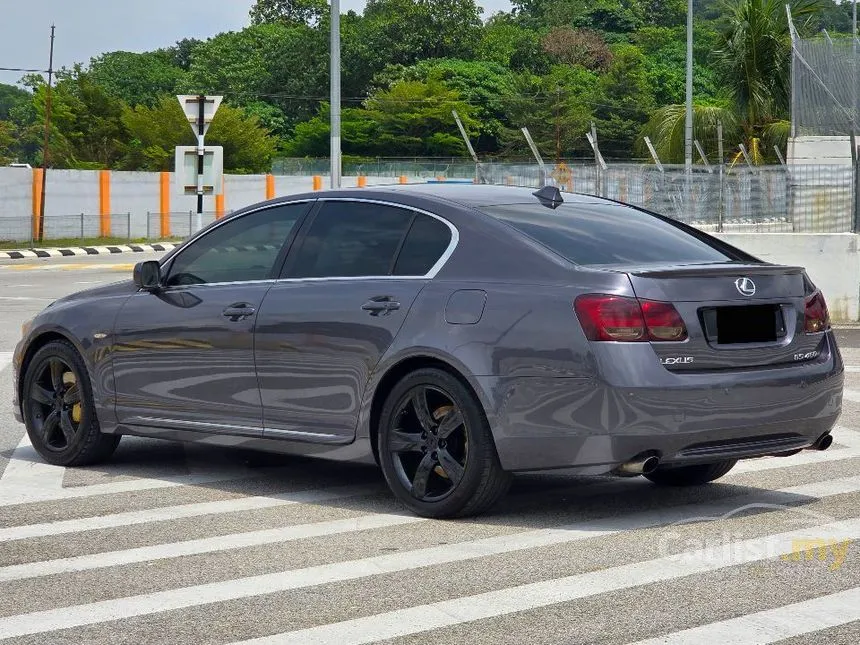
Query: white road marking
[167,513]
[26,469]
[853,369]
[515,599]
[205,545]
[772,625]
[16,495]
[846,445]
[492,604]
[817,490]
[851,395]
[5,360]
[22,298]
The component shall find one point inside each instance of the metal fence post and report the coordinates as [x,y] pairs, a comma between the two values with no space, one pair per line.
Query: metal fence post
[128,224]
[148,232]
[855,201]
[190,225]
[82,226]
[722,161]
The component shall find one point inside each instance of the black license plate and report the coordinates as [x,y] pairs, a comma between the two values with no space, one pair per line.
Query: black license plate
[744,324]
[749,324]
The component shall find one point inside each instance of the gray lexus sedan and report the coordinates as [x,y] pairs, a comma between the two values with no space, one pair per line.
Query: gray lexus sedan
[452,334]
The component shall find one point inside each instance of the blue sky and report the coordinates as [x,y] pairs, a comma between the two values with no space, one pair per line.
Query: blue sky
[86,28]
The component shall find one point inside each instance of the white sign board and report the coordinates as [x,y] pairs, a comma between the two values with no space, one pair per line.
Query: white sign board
[191,106]
[186,170]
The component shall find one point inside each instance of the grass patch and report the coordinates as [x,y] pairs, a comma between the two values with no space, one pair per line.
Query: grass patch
[72,242]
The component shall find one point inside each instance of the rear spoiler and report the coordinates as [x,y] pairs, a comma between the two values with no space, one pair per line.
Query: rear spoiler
[719,269]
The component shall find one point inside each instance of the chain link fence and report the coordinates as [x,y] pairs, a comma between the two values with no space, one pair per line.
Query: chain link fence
[86,227]
[760,199]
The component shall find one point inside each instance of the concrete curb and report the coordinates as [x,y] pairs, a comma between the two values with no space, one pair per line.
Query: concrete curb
[22,254]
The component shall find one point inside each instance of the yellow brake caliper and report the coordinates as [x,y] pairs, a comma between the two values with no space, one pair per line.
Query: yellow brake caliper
[69,380]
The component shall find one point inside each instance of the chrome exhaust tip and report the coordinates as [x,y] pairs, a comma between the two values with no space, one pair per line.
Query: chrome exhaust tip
[823,442]
[640,465]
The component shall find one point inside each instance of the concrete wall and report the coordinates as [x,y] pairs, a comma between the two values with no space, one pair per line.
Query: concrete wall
[73,201]
[831,260]
[819,150]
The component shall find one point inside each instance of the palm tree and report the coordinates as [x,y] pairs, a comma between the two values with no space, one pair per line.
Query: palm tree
[753,60]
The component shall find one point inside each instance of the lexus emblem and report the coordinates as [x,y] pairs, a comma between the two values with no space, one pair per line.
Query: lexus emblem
[745,286]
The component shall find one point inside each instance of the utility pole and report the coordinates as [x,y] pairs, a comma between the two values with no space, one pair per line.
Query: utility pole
[335,94]
[46,146]
[688,124]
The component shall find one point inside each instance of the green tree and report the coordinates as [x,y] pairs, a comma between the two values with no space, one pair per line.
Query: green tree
[137,79]
[155,131]
[411,118]
[556,108]
[7,143]
[10,98]
[291,12]
[627,102]
[483,85]
[406,31]
[752,62]
[754,55]
[86,123]
[415,118]
[506,42]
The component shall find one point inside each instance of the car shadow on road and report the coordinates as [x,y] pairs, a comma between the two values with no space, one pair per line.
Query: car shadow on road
[535,501]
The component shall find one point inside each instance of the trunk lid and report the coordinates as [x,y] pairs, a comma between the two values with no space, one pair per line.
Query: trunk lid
[738,315]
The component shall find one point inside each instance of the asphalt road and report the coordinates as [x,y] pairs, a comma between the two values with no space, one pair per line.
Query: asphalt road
[169,544]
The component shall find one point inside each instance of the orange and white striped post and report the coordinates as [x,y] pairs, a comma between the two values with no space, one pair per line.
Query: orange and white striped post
[270,186]
[164,205]
[104,203]
[38,177]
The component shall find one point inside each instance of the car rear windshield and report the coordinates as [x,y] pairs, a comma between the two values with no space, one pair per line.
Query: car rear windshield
[607,234]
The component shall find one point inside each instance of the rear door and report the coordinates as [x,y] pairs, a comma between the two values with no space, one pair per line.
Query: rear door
[346,290]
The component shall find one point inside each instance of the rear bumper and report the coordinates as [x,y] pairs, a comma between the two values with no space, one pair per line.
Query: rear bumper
[596,424]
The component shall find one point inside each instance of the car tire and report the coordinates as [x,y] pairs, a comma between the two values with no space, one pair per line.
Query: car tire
[695,475]
[57,391]
[454,437]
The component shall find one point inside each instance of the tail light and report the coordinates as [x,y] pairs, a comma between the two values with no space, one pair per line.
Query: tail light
[817,318]
[621,319]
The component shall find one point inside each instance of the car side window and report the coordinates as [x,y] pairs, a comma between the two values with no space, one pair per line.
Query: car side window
[351,239]
[240,250]
[427,240]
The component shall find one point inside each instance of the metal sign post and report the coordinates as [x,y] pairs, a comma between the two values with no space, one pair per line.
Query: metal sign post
[199,110]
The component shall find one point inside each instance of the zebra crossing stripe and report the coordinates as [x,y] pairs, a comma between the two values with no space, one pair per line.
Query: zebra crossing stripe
[772,625]
[525,597]
[415,620]
[205,545]
[181,511]
[543,537]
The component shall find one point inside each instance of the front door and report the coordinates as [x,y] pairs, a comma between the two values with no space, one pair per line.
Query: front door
[345,293]
[183,355]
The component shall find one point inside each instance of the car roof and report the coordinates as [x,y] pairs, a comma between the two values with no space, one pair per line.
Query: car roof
[477,195]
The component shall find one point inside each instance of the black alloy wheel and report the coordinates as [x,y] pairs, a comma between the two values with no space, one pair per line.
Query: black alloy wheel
[430,444]
[436,449]
[55,404]
[59,409]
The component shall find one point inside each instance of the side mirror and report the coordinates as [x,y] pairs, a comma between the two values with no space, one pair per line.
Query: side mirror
[147,275]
